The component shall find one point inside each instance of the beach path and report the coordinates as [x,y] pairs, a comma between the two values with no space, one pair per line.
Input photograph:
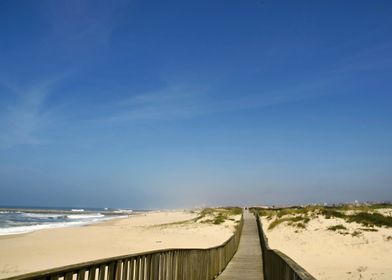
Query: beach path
[247,262]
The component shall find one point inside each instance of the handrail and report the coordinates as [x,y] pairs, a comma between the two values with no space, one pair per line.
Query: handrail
[277,265]
[167,264]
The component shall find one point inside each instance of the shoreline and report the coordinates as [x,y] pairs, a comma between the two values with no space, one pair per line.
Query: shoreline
[18,230]
[24,220]
[56,247]
[64,211]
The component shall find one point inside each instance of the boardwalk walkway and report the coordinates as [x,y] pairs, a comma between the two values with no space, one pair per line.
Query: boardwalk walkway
[247,262]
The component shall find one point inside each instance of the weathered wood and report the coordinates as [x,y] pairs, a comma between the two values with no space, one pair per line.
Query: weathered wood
[276,264]
[102,272]
[81,274]
[169,264]
[111,271]
[155,266]
[131,268]
[92,273]
[118,269]
[142,269]
[125,270]
[69,276]
[247,262]
[137,265]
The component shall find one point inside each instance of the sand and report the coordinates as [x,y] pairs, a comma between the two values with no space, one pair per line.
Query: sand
[331,255]
[57,247]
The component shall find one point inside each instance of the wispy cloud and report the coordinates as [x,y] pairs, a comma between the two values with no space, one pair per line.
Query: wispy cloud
[27,117]
[179,101]
[23,118]
[281,95]
[169,102]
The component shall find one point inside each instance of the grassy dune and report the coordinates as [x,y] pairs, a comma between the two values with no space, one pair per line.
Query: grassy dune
[367,216]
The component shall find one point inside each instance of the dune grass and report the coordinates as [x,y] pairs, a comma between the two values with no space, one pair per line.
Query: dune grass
[370,219]
[337,227]
[365,215]
[214,216]
[297,221]
[219,215]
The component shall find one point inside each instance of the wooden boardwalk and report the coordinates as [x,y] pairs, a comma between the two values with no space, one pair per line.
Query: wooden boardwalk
[247,262]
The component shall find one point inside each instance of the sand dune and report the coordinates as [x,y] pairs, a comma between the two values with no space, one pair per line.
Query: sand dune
[351,253]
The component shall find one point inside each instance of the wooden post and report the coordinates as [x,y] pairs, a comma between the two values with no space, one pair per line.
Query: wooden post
[125,270]
[81,274]
[174,264]
[92,273]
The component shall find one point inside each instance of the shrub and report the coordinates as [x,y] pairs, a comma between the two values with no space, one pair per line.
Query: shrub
[330,213]
[371,219]
[219,219]
[337,227]
[298,221]
[356,233]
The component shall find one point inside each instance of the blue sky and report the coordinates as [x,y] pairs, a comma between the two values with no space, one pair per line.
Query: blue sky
[164,104]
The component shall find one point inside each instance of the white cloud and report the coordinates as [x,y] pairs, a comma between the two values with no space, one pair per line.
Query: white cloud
[181,101]
[22,120]
[169,102]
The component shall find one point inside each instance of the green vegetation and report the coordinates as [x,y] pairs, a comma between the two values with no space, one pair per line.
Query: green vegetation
[365,215]
[330,213]
[370,219]
[218,216]
[367,219]
[369,229]
[233,210]
[280,212]
[220,219]
[296,216]
[356,233]
[214,216]
[337,227]
[297,221]
[300,225]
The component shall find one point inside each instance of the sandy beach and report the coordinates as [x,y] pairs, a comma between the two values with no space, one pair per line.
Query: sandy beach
[51,248]
[351,251]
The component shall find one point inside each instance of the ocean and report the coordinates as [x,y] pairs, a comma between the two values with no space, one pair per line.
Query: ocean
[22,220]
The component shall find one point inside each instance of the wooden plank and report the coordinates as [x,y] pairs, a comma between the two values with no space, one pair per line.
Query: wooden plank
[170,264]
[132,265]
[68,276]
[148,267]
[92,273]
[111,271]
[136,269]
[125,270]
[118,269]
[81,274]
[142,270]
[102,272]
[247,262]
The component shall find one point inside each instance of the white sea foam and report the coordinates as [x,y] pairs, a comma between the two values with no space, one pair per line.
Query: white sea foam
[8,212]
[126,211]
[44,216]
[25,229]
[85,216]
[77,210]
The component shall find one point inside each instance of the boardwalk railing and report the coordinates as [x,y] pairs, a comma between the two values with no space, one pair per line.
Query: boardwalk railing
[170,264]
[276,265]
